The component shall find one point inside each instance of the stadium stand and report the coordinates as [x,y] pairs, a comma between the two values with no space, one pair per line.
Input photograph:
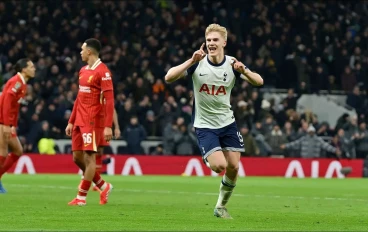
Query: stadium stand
[300,48]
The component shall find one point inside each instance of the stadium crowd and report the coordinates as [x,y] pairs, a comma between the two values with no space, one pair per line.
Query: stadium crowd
[302,46]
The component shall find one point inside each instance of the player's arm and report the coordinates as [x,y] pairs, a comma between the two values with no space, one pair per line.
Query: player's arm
[108,93]
[109,96]
[74,112]
[10,100]
[69,127]
[252,77]
[116,125]
[179,71]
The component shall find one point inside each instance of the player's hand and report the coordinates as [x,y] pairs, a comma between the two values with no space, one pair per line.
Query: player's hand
[7,132]
[13,130]
[238,66]
[282,146]
[107,134]
[117,133]
[69,129]
[198,55]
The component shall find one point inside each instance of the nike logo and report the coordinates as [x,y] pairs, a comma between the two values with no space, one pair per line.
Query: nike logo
[202,74]
[242,144]
[86,145]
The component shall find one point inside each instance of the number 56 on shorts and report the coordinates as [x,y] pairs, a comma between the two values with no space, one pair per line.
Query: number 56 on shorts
[86,138]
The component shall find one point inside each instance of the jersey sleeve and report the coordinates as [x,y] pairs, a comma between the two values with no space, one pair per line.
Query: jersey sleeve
[192,69]
[10,100]
[74,112]
[106,80]
[238,74]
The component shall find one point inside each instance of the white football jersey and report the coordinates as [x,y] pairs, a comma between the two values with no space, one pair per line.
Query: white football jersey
[212,85]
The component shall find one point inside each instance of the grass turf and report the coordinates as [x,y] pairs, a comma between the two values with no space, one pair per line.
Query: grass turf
[39,203]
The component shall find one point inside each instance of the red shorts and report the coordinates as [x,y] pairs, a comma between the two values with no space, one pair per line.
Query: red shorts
[103,142]
[86,138]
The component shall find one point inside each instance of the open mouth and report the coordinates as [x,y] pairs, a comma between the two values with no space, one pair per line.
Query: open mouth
[212,49]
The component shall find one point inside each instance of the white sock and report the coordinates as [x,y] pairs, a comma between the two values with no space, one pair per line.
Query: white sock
[81,197]
[226,189]
[103,186]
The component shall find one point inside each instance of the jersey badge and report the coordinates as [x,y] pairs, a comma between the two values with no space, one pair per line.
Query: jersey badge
[90,79]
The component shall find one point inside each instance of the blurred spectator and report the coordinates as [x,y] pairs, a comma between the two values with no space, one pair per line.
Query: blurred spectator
[250,145]
[275,139]
[184,141]
[362,141]
[159,150]
[356,100]
[134,134]
[310,145]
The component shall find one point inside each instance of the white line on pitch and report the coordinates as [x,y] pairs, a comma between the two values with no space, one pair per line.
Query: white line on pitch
[189,193]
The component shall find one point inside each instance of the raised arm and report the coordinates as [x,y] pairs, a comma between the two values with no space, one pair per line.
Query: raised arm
[252,77]
[178,72]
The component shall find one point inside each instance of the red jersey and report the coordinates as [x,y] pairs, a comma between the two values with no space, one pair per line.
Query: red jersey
[89,107]
[10,99]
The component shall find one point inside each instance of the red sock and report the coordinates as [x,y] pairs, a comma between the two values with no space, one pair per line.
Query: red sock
[2,160]
[83,189]
[99,182]
[98,163]
[10,160]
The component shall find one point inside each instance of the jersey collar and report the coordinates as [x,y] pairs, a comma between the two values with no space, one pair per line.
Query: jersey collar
[94,66]
[21,77]
[219,64]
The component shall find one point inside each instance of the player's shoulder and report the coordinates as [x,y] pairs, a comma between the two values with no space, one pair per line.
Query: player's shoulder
[229,59]
[102,69]
[16,79]
[83,68]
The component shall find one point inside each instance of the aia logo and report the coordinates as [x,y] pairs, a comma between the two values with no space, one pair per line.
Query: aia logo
[213,89]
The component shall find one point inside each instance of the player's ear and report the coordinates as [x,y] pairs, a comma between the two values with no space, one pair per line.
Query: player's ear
[225,42]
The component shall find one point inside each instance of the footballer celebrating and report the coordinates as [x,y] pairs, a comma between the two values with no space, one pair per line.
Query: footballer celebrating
[10,99]
[91,120]
[213,77]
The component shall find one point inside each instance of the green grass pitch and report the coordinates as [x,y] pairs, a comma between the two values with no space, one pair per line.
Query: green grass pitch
[158,203]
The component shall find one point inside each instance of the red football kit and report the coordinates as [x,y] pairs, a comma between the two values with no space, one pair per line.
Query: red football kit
[13,93]
[89,115]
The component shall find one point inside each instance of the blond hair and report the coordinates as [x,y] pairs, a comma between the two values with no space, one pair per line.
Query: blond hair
[216,28]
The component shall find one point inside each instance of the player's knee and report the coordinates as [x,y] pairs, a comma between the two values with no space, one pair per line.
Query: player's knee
[218,167]
[234,167]
[18,151]
[77,160]
[90,158]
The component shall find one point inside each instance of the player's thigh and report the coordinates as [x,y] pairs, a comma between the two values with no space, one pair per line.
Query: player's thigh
[232,158]
[209,145]
[231,139]
[15,145]
[78,156]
